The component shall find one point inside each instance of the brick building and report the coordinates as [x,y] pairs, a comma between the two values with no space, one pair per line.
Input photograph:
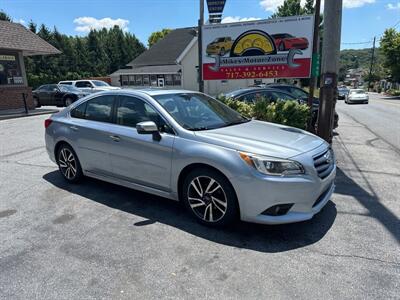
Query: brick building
[16,41]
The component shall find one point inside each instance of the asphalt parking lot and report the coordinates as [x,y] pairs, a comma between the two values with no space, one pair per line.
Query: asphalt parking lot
[97,240]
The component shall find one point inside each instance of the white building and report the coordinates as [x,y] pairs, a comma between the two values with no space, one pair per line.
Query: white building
[173,63]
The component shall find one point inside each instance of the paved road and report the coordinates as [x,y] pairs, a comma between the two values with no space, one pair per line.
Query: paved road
[97,240]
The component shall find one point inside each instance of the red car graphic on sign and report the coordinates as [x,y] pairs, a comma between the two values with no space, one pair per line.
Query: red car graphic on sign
[286,41]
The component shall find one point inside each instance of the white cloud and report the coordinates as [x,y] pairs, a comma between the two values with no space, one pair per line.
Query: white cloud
[272,5]
[393,6]
[238,19]
[21,21]
[85,24]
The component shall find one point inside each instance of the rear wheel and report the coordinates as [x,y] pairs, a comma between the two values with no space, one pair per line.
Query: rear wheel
[281,46]
[36,102]
[68,163]
[68,101]
[210,197]
[222,52]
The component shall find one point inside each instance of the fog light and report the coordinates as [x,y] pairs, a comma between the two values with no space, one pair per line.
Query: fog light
[278,210]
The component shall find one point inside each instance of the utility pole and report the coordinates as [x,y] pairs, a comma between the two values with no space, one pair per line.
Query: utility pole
[330,67]
[313,78]
[200,43]
[372,64]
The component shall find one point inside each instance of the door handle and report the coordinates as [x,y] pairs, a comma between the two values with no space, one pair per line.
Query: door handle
[74,128]
[115,138]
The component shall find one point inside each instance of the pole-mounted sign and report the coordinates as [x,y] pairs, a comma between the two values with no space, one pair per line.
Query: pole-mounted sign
[215,9]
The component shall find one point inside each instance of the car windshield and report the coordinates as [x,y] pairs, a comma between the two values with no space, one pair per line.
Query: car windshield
[100,83]
[199,112]
[218,40]
[68,88]
[357,92]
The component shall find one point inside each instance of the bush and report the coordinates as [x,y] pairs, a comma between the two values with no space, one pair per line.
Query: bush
[289,113]
[393,92]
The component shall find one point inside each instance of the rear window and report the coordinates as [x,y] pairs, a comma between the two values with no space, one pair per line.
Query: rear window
[97,109]
[66,82]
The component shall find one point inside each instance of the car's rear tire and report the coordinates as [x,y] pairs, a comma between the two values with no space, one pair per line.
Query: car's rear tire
[68,164]
[36,102]
[222,52]
[281,46]
[210,198]
[68,101]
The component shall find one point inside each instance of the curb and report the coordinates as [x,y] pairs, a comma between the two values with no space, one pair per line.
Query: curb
[23,115]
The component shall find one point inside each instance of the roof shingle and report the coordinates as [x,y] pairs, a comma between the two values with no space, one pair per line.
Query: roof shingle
[14,36]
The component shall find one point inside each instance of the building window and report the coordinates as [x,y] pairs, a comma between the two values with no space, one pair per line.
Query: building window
[153,80]
[138,80]
[177,79]
[146,80]
[131,79]
[10,70]
[124,80]
[169,80]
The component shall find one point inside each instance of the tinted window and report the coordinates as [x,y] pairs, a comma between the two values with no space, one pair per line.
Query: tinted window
[100,109]
[79,111]
[99,83]
[66,82]
[131,111]
[83,84]
[299,93]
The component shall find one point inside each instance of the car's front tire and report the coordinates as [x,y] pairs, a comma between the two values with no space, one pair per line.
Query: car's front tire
[36,102]
[68,164]
[68,101]
[210,197]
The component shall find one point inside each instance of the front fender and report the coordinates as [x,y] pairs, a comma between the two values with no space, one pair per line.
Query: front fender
[188,152]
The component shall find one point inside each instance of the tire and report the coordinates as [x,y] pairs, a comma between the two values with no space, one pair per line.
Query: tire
[68,164]
[222,52]
[36,102]
[219,206]
[281,46]
[68,101]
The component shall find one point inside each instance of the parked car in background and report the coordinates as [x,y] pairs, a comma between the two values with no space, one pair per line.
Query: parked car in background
[220,46]
[252,95]
[343,91]
[302,94]
[56,94]
[286,41]
[90,86]
[357,96]
[189,147]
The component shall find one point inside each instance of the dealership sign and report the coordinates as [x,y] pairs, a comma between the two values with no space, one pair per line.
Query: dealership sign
[274,48]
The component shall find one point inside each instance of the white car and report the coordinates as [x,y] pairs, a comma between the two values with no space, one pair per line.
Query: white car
[90,86]
[357,96]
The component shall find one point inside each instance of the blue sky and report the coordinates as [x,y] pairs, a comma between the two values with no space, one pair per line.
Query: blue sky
[362,19]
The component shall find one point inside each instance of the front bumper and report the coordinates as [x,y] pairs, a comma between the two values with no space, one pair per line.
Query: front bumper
[308,193]
[357,100]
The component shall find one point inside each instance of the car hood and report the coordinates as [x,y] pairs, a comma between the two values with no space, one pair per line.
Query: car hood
[262,138]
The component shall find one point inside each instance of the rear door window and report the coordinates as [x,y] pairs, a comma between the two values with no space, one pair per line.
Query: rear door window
[83,84]
[100,109]
[79,111]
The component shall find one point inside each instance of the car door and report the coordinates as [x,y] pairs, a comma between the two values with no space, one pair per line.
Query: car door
[90,133]
[45,95]
[85,86]
[141,158]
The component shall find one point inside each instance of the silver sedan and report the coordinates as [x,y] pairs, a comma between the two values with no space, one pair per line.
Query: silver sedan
[189,147]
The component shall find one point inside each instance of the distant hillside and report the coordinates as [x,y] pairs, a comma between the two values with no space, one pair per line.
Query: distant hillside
[352,59]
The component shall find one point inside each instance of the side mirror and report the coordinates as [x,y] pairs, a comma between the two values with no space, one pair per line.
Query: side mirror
[147,127]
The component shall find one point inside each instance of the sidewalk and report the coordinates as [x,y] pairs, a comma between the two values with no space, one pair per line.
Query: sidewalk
[18,113]
[368,187]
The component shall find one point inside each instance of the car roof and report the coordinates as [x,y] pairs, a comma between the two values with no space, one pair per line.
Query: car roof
[153,92]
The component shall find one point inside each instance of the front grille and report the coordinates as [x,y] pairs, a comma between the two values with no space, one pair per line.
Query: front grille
[324,163]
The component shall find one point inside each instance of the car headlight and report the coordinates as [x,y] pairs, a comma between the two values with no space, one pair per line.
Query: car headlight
[271,165]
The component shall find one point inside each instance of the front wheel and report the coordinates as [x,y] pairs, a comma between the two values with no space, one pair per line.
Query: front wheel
[68,163]
[36,102]
[210,197]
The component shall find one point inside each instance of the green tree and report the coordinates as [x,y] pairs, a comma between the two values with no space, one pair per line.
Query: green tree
[4,16]
[157,35]
[390,45]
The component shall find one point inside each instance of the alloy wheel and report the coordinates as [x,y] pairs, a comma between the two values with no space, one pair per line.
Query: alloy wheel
[67,163]
[207,199]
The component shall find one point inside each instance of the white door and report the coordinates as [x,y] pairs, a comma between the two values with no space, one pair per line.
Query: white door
[160,82]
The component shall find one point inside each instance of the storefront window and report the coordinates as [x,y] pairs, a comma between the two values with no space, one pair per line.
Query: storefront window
[138,79]
[146,80]
[131,79]
[124,80]
[177,79]
[153,80]
[169,80]
[10,70]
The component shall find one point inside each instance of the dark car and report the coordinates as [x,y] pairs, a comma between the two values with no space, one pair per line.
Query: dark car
[302,94]
[343,92]
[56,94]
